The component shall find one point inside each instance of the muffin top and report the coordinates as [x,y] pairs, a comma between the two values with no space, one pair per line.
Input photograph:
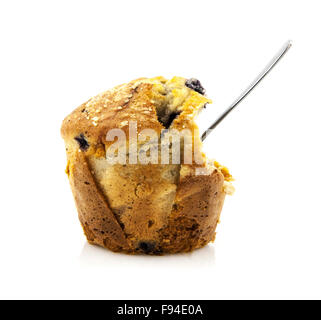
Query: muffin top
[153,103]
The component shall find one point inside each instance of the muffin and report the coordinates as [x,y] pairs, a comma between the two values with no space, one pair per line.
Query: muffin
[134,205]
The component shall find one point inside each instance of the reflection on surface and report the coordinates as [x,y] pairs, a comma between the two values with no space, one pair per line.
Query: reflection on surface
[94,256]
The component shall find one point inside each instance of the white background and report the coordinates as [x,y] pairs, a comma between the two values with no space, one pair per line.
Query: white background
[54,55]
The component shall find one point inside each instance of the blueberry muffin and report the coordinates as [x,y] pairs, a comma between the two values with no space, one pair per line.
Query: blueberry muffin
[149,208]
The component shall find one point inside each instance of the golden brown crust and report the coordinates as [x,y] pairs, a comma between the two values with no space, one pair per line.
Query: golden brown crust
[99,223]
[198,204]
[112,109]
[150,209]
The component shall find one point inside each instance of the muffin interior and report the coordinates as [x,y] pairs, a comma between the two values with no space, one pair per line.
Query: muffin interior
[172,97]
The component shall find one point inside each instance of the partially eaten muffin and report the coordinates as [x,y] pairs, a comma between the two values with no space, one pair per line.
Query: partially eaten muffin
[151,208]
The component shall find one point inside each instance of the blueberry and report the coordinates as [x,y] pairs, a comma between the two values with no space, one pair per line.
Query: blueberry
[172,117]
[195,85]
[146,246]
[83,144]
